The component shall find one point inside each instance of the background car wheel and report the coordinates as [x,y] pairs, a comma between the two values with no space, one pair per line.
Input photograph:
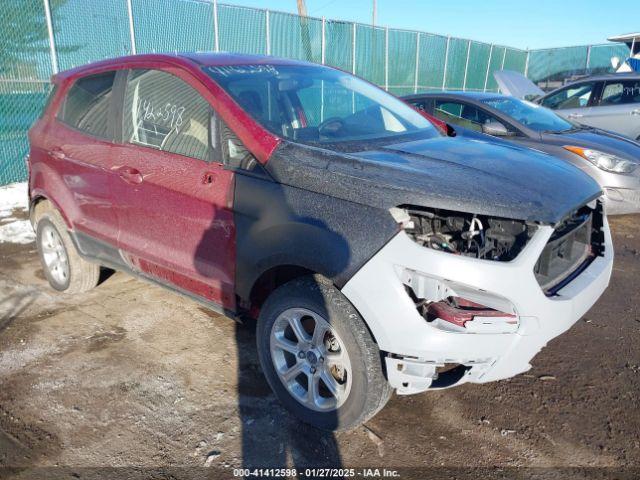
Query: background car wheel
[63,267]
[319,357]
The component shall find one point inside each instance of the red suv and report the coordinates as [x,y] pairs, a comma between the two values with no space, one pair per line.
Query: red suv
[376,253]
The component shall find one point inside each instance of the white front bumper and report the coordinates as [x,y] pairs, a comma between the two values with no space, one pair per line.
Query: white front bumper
[379,293]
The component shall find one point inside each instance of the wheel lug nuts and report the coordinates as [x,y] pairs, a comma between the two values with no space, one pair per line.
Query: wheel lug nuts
[321,359]
[301,354]
[313,369]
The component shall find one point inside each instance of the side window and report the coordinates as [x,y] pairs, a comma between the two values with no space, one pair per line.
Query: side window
[459,114]
[621,92]
[424,105]
[88,104]
[164,112]
[574,96]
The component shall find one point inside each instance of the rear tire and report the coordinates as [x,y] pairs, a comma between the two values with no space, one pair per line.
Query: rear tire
[340,383]
[65,270]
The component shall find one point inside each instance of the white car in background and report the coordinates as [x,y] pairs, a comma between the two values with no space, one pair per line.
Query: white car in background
[609,102]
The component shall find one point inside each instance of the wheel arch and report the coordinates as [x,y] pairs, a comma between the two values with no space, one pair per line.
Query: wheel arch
[272,278]
[269,280]
[38,198]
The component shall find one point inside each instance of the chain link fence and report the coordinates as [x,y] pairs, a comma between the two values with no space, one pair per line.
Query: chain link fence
[41,37]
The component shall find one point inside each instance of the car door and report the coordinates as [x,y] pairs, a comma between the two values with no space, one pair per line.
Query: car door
[573,101]
[175,197]
[80,147]
[618,108]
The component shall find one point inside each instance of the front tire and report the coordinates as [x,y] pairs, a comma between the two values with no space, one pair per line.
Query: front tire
[63,267]
[319,357]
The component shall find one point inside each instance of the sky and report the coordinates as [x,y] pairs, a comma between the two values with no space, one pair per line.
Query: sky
[515,23]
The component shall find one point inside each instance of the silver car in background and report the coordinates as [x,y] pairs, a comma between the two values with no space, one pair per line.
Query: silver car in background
[611,159]
[609,102]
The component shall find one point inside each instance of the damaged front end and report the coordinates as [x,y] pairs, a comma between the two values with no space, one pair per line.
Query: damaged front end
[483,286]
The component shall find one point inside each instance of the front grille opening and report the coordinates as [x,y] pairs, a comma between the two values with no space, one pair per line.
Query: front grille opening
[575,243]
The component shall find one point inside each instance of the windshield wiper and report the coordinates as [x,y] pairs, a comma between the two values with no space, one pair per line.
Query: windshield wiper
[577,128]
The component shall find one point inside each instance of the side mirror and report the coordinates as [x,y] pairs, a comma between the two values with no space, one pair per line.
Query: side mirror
[495,129]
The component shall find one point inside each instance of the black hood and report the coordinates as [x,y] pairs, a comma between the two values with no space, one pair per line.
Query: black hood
[595,139]
[466,175]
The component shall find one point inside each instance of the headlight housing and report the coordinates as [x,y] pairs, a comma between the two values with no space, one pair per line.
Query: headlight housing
[478,236]
[604,161]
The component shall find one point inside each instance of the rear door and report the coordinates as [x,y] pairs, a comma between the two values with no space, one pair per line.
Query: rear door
[618,108]
[174,196]
[80,149]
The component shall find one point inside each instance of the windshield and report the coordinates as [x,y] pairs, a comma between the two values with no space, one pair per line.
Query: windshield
[530,115]
[315,104]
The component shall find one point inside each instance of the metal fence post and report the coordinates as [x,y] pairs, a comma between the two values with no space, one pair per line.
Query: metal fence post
[386,58]
[52,43]
[446,61]
[486,76]
[323,45]
[215,26]
[588,57]
[504,55]
[466,66]
[267,35]
[415,83]
[132,33]
[526,64]
[353,50]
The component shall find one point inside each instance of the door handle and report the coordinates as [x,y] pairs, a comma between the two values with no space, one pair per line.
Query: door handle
[208,178]
[575,115]
[130,174]
[57,154]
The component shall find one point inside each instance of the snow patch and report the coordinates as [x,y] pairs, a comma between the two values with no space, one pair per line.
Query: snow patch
[18,231]
[14,197]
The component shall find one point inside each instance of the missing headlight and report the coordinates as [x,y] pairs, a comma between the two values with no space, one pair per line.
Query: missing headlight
[479,236]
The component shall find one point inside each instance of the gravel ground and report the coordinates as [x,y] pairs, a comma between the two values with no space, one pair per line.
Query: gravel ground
[130,375]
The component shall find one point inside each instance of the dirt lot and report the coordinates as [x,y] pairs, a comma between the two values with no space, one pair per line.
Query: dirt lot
[132,375]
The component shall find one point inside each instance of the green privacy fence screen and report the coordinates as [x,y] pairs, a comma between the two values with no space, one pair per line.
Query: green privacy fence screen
[41,37]
[556,64]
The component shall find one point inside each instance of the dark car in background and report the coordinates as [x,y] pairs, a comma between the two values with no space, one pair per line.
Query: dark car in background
[611,159]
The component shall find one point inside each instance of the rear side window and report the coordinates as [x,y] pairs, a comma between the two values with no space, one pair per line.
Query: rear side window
[621,92]
[88,104]
[162,111]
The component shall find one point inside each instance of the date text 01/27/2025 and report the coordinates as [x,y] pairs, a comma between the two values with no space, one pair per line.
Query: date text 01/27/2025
[316,473]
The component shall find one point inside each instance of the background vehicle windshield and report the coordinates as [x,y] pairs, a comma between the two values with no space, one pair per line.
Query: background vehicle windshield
[312,104]
[530,115]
